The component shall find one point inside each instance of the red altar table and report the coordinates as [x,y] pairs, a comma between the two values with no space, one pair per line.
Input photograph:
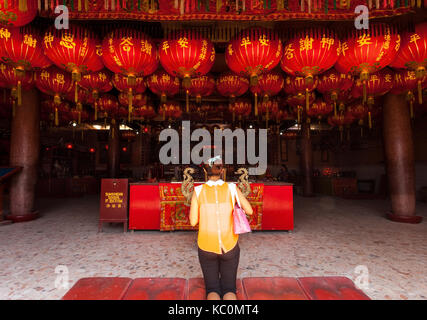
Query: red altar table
[161,206]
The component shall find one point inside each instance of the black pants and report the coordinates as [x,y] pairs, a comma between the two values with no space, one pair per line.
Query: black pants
[220,270]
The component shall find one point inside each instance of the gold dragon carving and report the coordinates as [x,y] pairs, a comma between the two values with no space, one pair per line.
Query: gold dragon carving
[243,181]
[187,186]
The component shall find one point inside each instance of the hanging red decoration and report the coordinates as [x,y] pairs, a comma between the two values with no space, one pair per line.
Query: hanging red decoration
[16,81]
[170,110]
[240,107]
[108,106]
[186,54]
[358,111]
[319,109]
[297,102]
[138,100]
[405,81]
[163,85]
[23,49]
[332,84]
[368,51]
[297,86]
[231,85]
[96,82]
[54,81]
[15,13]
[122,83]
[145,112]
[310,52]
[57,113]
[95,62]
[200,87]
[340,120]
[79,116]
[254,51]
[129,52]
[71,49]
[413,55]
[378,84]
[268,107]
[269,84]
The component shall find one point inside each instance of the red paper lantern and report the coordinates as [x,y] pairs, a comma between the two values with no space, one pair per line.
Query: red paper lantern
[240,107]
[145,112]
[332,84]
[299,88]
[163,85]
[170,110]
[22,48]
[17,13]
[319,109]
[405,81]
[186,54]
[16,81]
[130,52]
[377,84]
[96,82]
[78,115]
[71,49]
[108,105]
[58,113]
[138,100]
[231,85]
[95,62]
[413,55]
[340,120]
[254,51]
[137,85]
[55,82]
[269,84]
[368,51]
[310,52]
[200,87]
[359,111]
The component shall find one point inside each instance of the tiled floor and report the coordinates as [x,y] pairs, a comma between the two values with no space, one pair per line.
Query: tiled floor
[331,237]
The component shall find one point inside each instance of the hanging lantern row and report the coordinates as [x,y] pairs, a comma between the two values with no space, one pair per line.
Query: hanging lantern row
[307,58]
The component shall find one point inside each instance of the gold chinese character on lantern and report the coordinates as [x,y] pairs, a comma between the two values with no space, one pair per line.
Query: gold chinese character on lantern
[245,42]
[374,79]
[306,43]
[165,46]
[264,41]
[183,42]
[344,48]
[30,41]
[166,77]
[364,39]
[67,41]
[289,52]
[117,60]
[102,76]
[212,58]
[380,56]
[146,47]
[154,78]
[411,75]
[397,46]
[414,38]
[388,77]
[230,49]
[59,78]
[48,38]
[126,44]
[327,42]
[4,34]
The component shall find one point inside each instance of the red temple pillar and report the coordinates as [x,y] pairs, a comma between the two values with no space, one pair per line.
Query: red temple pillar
[114,149]
[306,160]
[399,158]
[24,152]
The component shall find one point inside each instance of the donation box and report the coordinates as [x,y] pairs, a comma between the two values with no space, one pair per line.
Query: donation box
[114,202]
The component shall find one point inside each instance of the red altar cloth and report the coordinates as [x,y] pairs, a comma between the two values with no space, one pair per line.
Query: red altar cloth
[161,207]
[175,212]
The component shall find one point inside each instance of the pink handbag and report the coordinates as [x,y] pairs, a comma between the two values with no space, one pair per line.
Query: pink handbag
[240,222]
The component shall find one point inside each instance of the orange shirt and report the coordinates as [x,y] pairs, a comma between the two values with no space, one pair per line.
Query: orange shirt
[215,217]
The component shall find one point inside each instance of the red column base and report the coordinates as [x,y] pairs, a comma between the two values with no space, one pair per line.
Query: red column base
[22,218]
[404,219]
